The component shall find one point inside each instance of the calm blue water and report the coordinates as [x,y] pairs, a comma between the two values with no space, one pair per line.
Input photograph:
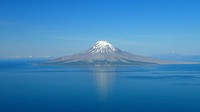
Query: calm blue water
[25,87]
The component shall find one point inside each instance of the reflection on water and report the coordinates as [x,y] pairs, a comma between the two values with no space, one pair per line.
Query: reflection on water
[104,80]
[160,88]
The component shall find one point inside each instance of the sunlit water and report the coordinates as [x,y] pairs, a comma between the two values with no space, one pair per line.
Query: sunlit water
[26,87]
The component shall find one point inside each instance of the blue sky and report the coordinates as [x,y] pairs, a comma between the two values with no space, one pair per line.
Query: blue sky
[63,27]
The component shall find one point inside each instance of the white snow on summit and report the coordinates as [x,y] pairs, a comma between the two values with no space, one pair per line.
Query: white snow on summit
[102,47]
[103,44]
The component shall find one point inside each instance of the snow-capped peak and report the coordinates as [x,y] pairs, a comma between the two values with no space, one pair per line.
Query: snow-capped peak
[102,47]
[103,44]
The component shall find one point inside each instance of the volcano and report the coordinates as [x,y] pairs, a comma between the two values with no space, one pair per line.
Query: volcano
[104,53]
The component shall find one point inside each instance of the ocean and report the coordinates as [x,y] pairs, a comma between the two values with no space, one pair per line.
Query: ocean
[28,87]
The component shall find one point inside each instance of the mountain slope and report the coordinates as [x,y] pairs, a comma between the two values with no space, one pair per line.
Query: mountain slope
[103,53]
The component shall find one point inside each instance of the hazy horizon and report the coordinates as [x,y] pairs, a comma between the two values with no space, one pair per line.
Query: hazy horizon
[49,28]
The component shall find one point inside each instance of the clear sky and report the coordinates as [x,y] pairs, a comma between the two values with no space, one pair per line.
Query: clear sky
[63,27]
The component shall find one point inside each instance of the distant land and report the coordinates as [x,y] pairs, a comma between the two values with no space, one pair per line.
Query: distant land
[104,53]
[177,57]
[168,58]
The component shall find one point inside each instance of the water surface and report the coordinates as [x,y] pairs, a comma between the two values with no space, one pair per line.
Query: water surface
[26,87]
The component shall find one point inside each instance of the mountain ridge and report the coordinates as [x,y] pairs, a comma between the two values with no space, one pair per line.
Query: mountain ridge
[104,53]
